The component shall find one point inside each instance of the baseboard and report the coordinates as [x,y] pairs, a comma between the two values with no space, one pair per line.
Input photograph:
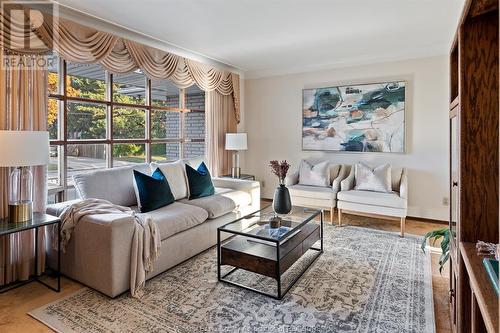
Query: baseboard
[415,218]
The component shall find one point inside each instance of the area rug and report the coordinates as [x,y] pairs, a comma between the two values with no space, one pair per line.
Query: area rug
[365,281]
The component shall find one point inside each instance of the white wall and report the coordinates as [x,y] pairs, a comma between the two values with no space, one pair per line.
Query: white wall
[273,121]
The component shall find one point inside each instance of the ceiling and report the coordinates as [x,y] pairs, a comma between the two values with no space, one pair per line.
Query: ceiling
[270,37]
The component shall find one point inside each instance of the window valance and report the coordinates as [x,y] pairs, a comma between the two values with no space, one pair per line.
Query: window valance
[77,43]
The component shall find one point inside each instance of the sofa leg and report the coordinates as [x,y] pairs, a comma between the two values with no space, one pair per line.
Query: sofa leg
[331,215]
[403,222]
[340,216]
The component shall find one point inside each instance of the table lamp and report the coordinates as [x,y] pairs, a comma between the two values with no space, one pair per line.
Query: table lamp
[20,150]
[236,142]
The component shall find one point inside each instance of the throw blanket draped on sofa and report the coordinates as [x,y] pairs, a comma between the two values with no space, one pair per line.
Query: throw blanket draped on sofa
[146,240]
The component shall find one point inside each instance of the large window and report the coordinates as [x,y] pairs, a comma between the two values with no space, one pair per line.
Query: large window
[100,120]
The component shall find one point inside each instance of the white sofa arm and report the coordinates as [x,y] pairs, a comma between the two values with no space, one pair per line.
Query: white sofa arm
[250,186]
[292,178]
[343,173]
[58,208]
[403,186]
[348,183]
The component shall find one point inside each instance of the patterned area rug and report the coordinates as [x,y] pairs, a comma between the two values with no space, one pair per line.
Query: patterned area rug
[365,281]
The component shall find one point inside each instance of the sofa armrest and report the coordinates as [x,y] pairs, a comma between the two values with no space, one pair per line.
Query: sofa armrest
[403,186]
[343,173]
[292,178]
[348,183]
[250,186]
[58,208]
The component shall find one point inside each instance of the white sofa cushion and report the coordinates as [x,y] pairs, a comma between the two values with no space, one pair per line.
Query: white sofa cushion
[175,173]
[222,202]
[377,179]
[392,199]
[115,185]
[176,218]
[317,192]
[314,175]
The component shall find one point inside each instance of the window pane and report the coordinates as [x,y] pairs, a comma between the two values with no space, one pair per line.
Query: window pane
[194,149]
[129,88]
[86,81]
[86,121]
[84,158]
[53,108]
[165,124]
[53,74]
[53,167]
[164,93]
[195,125]
[195,98]
[129,123]
[127,153]
[164,152]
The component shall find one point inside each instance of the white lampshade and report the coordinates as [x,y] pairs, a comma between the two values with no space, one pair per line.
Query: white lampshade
[236,141]
[24,148]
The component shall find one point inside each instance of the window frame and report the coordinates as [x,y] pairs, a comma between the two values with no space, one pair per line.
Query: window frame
[62,141]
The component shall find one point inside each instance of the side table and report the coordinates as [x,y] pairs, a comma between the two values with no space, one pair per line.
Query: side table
[38,220]
[242,176]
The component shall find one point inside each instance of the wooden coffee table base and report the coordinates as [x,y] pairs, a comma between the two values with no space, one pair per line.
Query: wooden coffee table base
[266,258]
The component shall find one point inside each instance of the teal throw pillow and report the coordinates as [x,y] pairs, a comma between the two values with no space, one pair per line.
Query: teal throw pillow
[153,191]
[200,182]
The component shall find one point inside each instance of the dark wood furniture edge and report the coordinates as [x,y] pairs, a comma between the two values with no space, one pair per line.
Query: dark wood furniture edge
[481,286]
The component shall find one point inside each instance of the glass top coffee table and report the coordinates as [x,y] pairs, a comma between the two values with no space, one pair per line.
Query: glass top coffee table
[255,244]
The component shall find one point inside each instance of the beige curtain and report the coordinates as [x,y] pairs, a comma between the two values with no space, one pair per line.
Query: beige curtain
[23,106]
[220,119]
[78,43]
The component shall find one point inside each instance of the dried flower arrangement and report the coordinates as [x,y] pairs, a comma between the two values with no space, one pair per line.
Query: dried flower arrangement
[280,169]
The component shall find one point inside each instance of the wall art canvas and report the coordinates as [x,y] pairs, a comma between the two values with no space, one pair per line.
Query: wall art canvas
[355,118]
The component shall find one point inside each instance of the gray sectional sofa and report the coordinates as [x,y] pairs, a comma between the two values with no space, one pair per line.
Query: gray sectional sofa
[98,254]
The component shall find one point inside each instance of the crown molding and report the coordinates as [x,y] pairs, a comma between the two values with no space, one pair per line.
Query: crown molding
[364,60]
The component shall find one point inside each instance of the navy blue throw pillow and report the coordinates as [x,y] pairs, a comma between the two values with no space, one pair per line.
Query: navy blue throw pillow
[200,182]
[153,191]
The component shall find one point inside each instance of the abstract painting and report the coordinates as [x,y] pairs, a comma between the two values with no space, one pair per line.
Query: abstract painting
[355,118]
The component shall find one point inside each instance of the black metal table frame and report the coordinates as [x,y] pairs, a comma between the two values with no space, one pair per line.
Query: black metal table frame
[36,277]
[280,294]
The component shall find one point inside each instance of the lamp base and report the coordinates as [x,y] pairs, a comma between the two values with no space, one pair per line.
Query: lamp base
[20,212]
[235,172]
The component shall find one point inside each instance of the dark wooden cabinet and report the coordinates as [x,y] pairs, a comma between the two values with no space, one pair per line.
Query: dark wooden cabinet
[474,161]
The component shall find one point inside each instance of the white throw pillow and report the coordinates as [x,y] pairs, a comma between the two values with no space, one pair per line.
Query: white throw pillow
[377,180]
[176,176]
[314,175]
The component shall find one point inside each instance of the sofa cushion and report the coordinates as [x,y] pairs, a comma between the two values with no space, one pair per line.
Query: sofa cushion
[199,181]
[176,218]
[222,202]
[373,198]
[176,177]
[115,185]
[153,191]
[317,192]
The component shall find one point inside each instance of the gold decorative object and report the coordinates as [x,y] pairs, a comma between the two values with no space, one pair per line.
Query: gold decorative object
[20,212]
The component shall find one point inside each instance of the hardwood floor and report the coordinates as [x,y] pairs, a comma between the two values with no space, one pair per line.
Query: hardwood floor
[16,303]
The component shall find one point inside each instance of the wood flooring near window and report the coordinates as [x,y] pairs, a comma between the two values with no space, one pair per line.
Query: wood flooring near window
[16,303]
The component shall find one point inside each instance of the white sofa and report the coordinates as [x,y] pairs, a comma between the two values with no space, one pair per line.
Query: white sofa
[367,203]
[317,196]
[98,254]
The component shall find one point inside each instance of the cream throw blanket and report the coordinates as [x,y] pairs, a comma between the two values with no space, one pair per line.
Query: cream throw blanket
[146,241]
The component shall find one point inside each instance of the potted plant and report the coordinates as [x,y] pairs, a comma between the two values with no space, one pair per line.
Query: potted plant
[443,233]
[281,203]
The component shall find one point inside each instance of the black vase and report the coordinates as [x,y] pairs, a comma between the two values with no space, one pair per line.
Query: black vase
[282,203]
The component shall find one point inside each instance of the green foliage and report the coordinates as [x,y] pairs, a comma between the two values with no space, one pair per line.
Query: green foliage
[435,235]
